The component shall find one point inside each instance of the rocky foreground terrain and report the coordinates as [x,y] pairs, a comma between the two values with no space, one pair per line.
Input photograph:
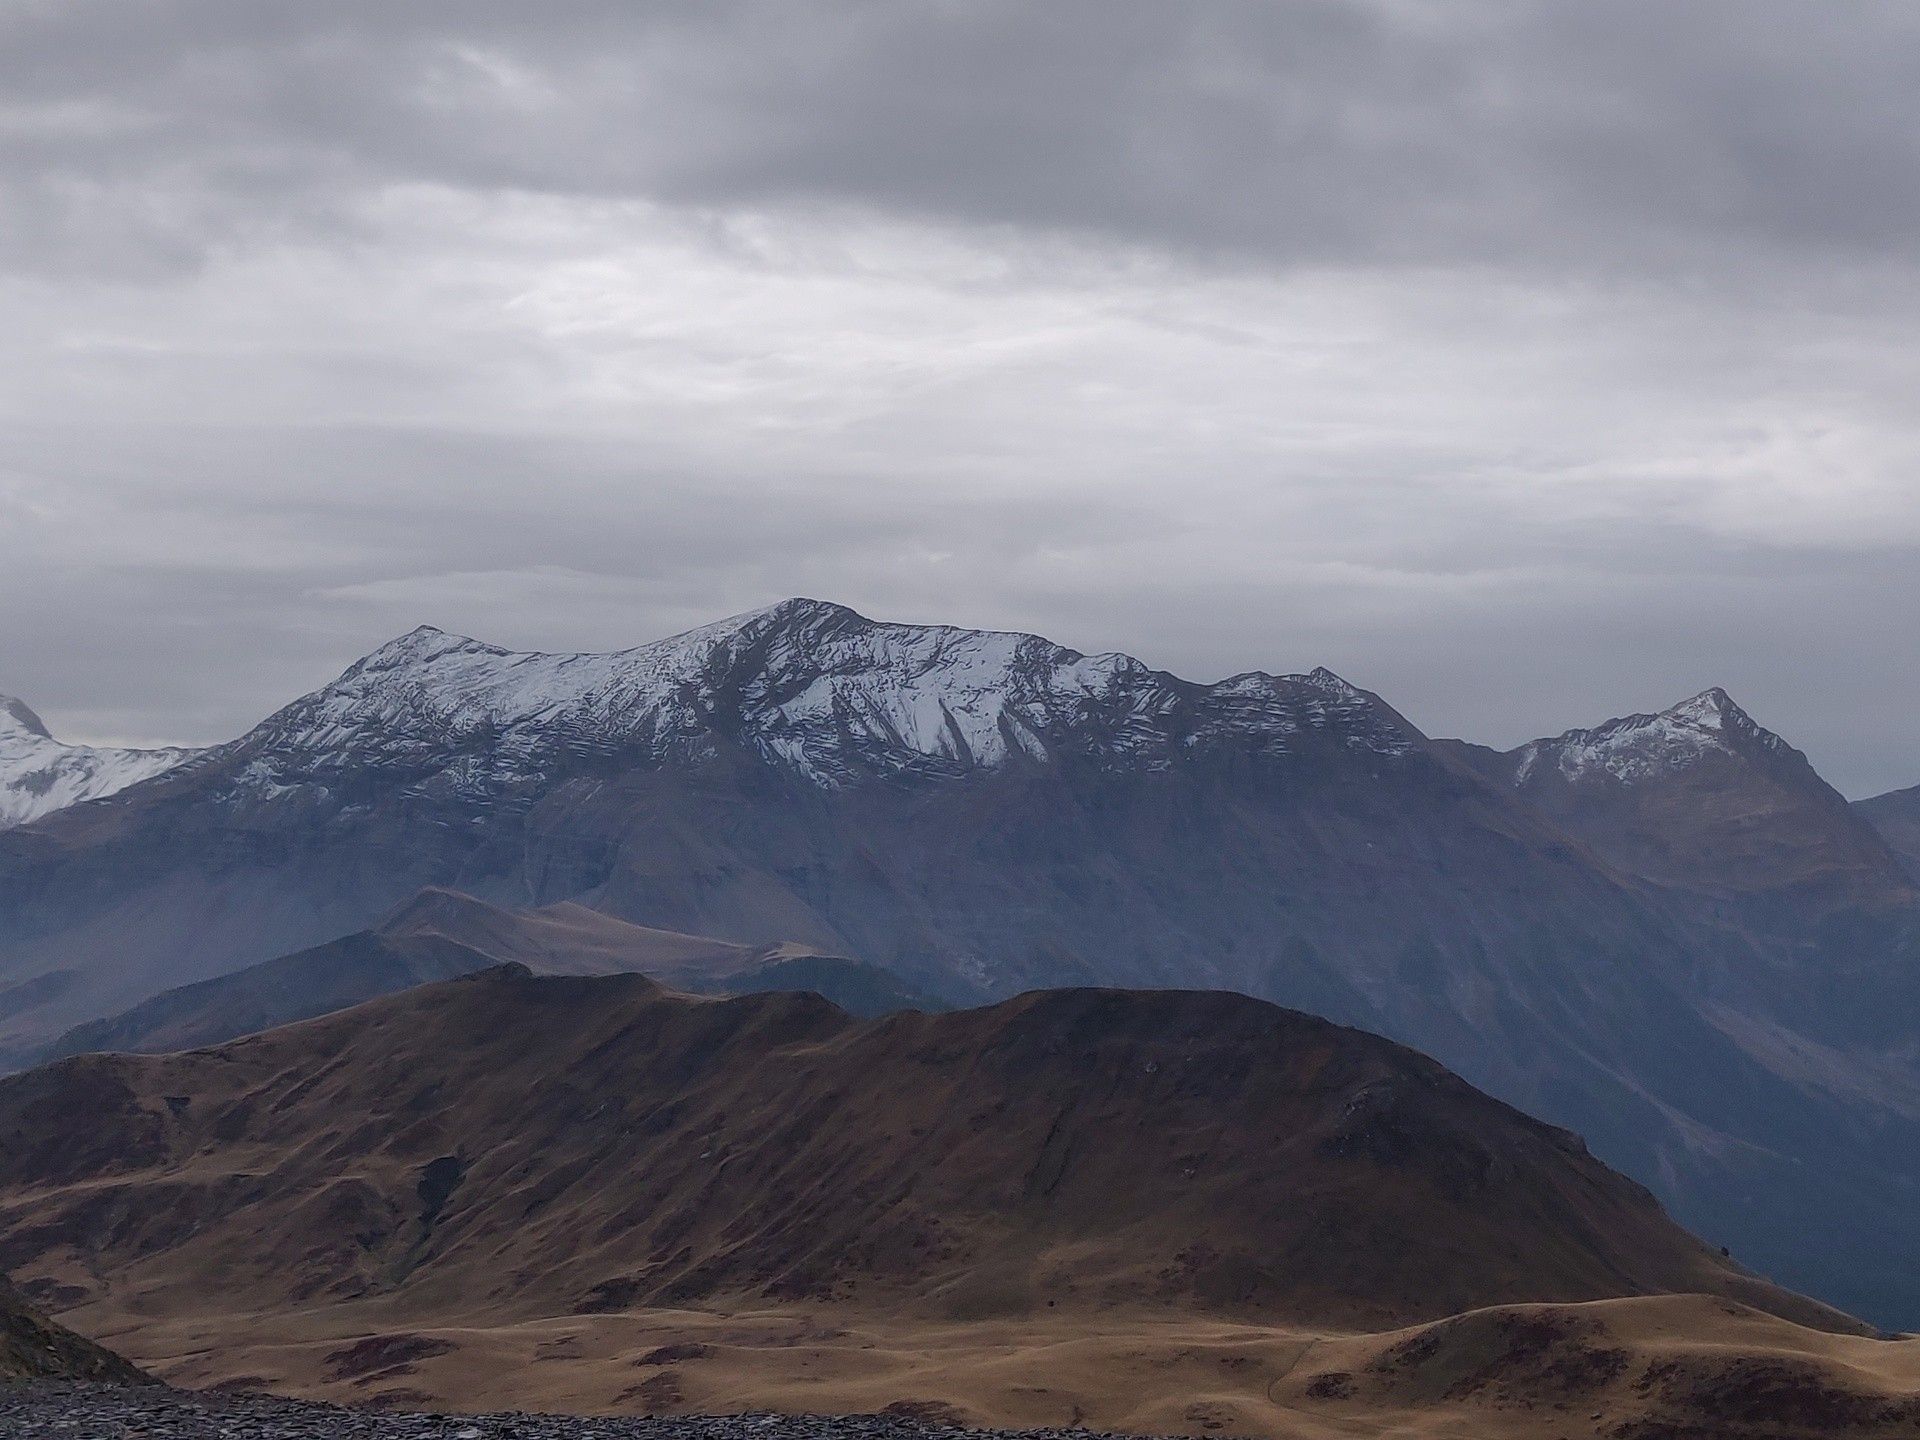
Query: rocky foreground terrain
[68,1410]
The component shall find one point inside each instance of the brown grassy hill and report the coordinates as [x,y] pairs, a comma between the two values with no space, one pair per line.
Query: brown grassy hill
[536,1146]
[1665,1368]
[32,1346]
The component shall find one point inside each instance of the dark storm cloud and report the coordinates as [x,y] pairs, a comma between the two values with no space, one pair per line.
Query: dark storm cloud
[1528,362]
[1635,132]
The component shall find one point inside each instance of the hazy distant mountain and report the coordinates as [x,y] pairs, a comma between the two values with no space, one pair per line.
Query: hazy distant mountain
[1897,818]
[440,935]
[570,939]
[526,1146]
[1804,923]
[1701,797]
[39,775]
[984,813]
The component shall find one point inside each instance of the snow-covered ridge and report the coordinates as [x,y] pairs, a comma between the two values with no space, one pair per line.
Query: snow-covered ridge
[1638,748]
[39,775]
[808,686]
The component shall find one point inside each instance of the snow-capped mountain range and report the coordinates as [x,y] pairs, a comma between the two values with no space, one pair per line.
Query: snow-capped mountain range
[821,693]
[39,774]
[824,694]
[813,689]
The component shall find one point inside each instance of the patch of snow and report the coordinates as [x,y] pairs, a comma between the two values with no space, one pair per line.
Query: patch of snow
[1638,748]
[39,775]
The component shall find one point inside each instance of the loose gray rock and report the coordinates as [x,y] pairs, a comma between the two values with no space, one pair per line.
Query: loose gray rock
[64,1410]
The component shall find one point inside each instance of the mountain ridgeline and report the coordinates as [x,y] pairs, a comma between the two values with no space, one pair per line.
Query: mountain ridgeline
[1666,933]
[440,935]
[527,1146]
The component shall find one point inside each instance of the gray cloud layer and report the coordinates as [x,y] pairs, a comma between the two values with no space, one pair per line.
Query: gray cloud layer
[1527,362]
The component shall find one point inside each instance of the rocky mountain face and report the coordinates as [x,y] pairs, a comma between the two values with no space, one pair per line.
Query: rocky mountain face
[518,1146]
[982,814]
[33,1347]
[39,775]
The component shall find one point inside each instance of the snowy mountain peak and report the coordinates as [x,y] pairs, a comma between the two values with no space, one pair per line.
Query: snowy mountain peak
[799,610]
[811,688]
[1711,709]
[421,645]
[17,719]
[39,775]
[1333,684]
[1714,712]
[1638,748]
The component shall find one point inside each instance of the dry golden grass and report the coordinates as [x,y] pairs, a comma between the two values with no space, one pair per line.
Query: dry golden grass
[1175,1213]
[1654,1367]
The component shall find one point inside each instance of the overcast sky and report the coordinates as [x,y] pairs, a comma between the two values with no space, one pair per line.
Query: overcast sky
[1527,363]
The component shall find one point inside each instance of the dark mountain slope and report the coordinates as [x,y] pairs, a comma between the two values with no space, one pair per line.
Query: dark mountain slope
[1897,818]
[341,973]
[1805,925]
[1802,926]
[32,1347]
[518,1145]
[440,935]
